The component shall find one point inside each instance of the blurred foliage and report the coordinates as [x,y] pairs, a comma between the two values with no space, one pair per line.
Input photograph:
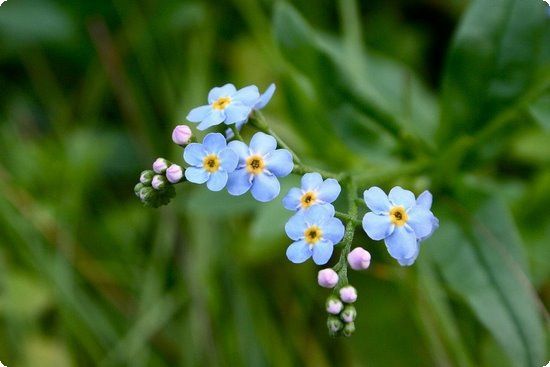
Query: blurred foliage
[91,91]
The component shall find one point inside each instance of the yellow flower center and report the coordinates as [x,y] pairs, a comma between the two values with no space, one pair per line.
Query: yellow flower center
[221,103]
[308,199]
[211,163]
[255,164]
[398,216]
[313,234]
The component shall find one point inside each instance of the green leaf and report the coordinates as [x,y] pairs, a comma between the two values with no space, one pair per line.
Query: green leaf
[344,73]
[481,257]
[499,51]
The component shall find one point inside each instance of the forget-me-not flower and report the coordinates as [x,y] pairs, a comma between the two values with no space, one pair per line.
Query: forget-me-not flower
[314,191]
[315,233]
[210,162]
[225,104]
[259,166]
[399,221]
[262,101]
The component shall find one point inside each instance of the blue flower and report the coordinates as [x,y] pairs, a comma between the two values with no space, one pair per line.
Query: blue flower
[225,104]
[399,220]
[211,161]
[258,168]
[315,233]
[262,101]
[314,191]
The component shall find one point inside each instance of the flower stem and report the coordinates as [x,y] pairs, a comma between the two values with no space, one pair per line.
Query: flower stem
[300,169]
[347,218]
[341,267]
[236,132]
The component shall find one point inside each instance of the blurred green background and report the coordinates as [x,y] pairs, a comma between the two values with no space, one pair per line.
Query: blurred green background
[90,92]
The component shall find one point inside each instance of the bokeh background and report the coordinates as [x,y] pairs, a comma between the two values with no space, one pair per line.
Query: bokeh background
[90,91]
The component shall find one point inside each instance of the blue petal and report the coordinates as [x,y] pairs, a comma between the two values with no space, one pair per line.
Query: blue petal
[319,214]
[265,97]
[196,175]
[377,200]
[409,261]
[262,143]
[298,252]
[333,230]
[329,190]
[214,143]
[241,149]
[236,112]
[194,154]
[401,243]
[377,226]
[435,225]
[247,95]
[400,196]
[420,220]
[311,181]
[295,227]
[265,187]
[199,113]
[322,251]
[239,182]
[226,91]
[292,200]
[217,181]
[279,162]
[215,117]
[229,160]
[425,200]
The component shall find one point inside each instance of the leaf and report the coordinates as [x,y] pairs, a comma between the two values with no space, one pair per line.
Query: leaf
[374,84]
[498,52]
[482,259]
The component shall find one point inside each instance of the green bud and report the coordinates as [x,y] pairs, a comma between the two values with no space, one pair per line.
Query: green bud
[349,329]
[146,177]
[334,325]
[348,314]
[146,194]
[137,188]
[159,182]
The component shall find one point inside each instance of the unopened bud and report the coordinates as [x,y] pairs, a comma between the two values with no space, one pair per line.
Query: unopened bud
[334,306]
[348,294]
[146,193]
[327,278]
[138,188]
[349,314]
[181,135]
[146,177]
[158,182]
[160,165]
[334,325]
[359,259]
[174,173]
[349,329]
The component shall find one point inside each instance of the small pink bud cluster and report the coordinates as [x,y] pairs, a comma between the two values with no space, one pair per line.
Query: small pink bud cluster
[167,172]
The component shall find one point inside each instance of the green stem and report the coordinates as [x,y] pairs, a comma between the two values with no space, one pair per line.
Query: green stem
[236,132]
[341,267]
[347,218]
[259,122]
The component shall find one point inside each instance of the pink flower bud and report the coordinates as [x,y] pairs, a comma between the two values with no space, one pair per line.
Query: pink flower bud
[359,259]
[181,134]
[158,182]
[174,173]
[348,294]
[334,306]
[327,278]
[160,165]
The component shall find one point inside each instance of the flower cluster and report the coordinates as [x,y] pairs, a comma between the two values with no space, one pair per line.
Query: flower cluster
[155,187]
[226,161]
